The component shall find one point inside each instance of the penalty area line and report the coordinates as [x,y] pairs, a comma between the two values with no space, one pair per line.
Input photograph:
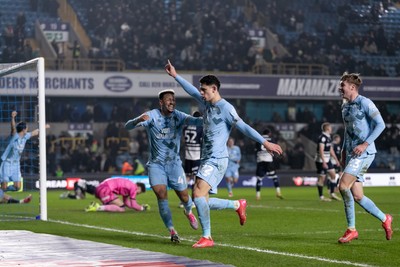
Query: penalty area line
[267,251]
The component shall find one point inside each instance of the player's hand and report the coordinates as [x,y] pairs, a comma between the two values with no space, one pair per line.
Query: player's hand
[170,69]
[273,148]
[146,207]
[14,114]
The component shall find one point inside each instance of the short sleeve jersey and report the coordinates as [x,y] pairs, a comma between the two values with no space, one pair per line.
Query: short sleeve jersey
[325,140]
[262,154]
[193,136]
[164,135]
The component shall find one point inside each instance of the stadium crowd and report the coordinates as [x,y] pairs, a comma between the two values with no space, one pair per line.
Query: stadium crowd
[214,35]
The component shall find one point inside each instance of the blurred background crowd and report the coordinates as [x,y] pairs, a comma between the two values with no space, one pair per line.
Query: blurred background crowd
[208,35]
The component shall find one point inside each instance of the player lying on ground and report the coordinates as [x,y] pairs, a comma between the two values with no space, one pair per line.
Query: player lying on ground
[108,193]
[7,199]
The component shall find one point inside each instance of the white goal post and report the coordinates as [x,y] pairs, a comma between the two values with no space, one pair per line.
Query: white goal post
[38,64]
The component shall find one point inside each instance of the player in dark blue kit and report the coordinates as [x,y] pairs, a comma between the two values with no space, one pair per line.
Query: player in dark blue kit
[266,167]
[323,162]
[193,136]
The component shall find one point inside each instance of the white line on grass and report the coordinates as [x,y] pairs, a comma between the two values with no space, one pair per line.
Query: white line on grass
[267,251]
[302,209]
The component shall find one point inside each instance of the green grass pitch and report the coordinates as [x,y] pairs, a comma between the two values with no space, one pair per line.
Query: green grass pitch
[297,231]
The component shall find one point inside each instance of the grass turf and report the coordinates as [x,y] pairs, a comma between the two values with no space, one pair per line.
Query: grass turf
[297,231]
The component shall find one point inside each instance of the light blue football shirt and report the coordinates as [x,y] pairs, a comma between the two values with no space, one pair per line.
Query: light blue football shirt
[15,148]
[363,122]
[164,133]
[219,119]
[234,156]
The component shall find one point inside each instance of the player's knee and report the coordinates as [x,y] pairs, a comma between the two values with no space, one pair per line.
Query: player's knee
[357,197]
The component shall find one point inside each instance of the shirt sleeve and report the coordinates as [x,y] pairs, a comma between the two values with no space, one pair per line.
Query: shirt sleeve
[133,123]
[378,124]
[249,131]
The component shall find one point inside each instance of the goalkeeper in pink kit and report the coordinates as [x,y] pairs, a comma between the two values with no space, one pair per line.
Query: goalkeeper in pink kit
[109,191]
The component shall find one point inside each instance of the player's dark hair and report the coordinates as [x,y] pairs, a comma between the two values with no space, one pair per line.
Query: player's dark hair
[267,131]
[197,114]
[142,187]
[210,80]
[21,126]
[91,189]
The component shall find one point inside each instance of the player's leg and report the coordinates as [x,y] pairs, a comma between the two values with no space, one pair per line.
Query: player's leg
[366,203]
[158,177]
[346,183]
[321,171]
[7,199]
[271,174]
[260,172]
[182,192]
[200,196]
[178,182]
[115,205]
[5,175]
[332,184]
[208,178]
[228,181]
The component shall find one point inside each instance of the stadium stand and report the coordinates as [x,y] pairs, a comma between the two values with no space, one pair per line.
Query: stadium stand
[309,37]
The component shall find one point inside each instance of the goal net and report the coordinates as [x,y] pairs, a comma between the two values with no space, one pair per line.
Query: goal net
[22,87]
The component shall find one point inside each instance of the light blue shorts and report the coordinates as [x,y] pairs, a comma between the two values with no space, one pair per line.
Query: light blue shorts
[357,166]
[1,195]
[10,171]
[171,174]
[212,171]
[232,171]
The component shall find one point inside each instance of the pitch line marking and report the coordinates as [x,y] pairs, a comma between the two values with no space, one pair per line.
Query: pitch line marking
[267,251]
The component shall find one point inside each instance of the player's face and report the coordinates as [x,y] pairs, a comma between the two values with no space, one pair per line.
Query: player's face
[208,92]
[230,142]
[168,103]
[346,90]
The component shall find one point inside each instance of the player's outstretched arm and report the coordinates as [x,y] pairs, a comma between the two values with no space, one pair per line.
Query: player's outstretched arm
[188,87]
[129,125]
[36,131]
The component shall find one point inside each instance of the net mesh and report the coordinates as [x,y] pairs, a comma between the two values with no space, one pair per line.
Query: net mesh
[18,86]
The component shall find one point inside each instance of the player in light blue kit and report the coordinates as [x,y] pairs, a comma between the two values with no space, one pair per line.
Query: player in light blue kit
[363,124]
[10,169]
[232,171]
[219,117]
[164,130]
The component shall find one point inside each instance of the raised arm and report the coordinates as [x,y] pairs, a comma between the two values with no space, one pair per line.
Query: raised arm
[13,129]
[188,87]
